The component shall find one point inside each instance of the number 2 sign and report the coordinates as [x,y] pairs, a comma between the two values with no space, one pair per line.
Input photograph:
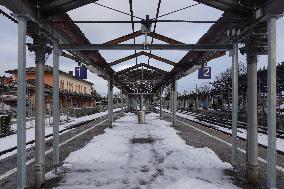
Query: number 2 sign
[204,73]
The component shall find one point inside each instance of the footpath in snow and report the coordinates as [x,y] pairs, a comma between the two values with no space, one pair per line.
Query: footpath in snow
[151,155]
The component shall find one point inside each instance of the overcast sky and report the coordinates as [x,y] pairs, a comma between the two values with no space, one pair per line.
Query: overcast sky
[99,33]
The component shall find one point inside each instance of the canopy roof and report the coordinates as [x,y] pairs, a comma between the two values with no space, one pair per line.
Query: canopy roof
[239,17]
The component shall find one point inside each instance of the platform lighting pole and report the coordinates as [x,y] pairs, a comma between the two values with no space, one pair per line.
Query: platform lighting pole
[21,104]
[174,102]
[161,102]
[235,97]
[252,133]
[271,104]
[110,102]
[55,105]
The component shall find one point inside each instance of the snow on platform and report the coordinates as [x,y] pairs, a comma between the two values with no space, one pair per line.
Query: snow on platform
[143,156]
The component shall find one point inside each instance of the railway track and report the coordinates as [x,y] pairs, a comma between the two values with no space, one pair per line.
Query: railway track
[226,123]
[210,121]
[50,135]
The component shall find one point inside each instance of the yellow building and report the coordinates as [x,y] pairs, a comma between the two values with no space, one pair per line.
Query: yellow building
[73,92]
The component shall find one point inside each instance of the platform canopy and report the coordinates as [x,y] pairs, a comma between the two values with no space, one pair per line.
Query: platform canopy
[239,20]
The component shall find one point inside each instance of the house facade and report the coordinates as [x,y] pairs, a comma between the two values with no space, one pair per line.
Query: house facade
[73,92]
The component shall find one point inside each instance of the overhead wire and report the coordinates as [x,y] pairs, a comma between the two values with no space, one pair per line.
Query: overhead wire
[172,12]
[155,25]
[116,10]
[133,26]
[179,10]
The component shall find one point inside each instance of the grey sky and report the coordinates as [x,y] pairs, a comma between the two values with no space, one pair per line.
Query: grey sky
[99,33]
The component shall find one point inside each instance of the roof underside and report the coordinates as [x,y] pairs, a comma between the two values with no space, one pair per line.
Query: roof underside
[69,33]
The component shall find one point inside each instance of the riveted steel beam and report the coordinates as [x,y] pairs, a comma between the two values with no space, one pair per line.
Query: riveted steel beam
[186,47]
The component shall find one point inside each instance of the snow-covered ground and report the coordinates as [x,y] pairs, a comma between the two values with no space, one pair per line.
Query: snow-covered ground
[242,133]
[11,140]
[112,160]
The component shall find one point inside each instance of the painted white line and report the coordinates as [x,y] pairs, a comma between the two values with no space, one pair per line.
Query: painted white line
[229,144]
[12,171]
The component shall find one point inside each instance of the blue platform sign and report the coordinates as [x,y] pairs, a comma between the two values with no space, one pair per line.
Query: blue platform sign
[81,72]
[204,73]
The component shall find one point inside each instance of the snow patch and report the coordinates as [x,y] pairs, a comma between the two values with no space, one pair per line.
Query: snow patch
[111,160]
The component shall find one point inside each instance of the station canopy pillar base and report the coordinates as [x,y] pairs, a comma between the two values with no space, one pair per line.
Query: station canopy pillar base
[252,174]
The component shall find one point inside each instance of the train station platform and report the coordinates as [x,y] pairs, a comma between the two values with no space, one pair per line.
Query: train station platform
[151,155]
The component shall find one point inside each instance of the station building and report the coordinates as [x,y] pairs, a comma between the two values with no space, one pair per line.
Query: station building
[73,92]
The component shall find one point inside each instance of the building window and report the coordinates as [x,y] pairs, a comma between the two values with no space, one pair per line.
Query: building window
[62,84]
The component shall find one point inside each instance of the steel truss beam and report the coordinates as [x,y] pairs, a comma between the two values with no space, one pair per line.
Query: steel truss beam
[186,47]
[139,33]
[140,65]
[140,54]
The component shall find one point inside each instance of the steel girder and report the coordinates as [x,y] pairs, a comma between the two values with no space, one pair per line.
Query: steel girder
[54,7]
[186,47]
[135,55]
[139,33]
[227,5]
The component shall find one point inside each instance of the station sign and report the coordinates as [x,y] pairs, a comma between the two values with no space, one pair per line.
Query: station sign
[204,73]
[81,72]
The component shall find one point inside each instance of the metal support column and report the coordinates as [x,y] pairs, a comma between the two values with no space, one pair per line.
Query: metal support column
[40,112]
[121,101]
[174,102]
[171,102]
[271,103]
[110,102]
[141,103]
[135,103]
[235,97]
[161,102]
[252,133]
[147,104]
[21,104]
[39,122]
[55,105]
[128,102]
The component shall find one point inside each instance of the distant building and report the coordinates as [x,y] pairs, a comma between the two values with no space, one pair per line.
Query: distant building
[73,92]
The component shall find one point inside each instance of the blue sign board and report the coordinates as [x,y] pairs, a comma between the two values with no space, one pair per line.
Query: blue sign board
[81,72]
[204,73]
